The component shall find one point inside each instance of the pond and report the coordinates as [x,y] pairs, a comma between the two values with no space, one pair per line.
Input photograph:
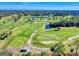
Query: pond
[48,26]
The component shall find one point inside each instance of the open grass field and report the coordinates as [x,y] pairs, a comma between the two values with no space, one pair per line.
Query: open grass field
[48,38]
[22,29]
[21,32]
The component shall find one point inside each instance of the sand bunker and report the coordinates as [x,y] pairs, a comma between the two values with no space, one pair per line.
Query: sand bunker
[46,42]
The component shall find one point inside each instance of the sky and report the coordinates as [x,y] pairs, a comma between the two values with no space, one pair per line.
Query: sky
[39,5]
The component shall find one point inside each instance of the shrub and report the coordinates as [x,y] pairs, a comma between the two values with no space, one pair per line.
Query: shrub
[5,53]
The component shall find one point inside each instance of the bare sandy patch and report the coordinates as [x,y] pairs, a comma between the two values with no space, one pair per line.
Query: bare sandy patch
[46,42]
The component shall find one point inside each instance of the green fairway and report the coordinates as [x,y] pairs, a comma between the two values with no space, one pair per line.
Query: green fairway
[23,29]
[16,33]
[21,32]
[54,36]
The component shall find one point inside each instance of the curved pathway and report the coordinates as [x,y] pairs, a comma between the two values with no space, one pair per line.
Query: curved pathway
[33,34]
[71,38]
[38,48]
[30,42]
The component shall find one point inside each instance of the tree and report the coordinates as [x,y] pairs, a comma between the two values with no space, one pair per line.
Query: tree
[57,49]
[5,53]
[76,42]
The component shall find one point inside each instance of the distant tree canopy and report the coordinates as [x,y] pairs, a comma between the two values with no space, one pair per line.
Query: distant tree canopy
[61,18]
[39,12]
[66,21]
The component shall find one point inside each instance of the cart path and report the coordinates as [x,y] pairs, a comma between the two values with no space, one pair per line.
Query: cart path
[30,42]
[73,37]
[34,33]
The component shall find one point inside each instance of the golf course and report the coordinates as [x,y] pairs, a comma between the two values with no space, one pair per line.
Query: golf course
[39,33]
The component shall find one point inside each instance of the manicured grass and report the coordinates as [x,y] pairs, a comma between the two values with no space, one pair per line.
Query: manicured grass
[24,29]
[21,35]
[52,35]
[65,32]
[22,32]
